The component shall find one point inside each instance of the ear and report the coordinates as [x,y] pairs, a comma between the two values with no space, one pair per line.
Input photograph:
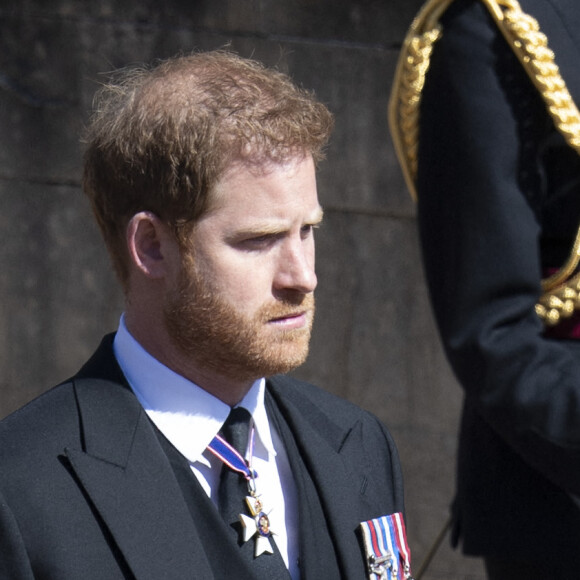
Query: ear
[152,248]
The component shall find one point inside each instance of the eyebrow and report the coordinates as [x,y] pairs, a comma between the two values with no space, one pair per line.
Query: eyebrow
[266,229]
[318,217]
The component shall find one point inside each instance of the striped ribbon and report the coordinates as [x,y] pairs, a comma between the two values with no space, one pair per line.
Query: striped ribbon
[228,455]
[387,551]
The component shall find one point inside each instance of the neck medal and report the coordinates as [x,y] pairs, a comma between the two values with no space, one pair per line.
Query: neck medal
[259,523]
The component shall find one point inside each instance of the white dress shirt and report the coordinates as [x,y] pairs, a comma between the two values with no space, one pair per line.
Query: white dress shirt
[190,417]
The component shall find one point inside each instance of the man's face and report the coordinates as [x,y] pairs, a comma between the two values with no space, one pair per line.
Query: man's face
[243,305]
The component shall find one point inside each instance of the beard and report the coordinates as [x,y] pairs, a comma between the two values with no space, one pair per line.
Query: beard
[217,337]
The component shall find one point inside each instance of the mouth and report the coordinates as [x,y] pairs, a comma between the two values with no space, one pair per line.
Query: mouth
[291,320]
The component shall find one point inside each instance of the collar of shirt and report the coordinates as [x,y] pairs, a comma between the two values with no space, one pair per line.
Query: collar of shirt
[179,407]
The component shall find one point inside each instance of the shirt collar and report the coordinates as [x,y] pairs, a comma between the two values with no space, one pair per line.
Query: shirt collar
[179,407]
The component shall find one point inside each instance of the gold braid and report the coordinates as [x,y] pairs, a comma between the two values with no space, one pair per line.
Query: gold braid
[561,291]
[405,101]
[416,65]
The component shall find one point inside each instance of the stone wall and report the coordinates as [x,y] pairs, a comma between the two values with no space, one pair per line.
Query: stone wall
[374,340]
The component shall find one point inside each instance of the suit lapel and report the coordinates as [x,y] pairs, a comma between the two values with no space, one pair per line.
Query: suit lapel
[129,480]
[329,453]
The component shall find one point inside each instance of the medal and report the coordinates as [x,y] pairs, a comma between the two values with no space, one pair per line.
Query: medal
[385,542]
[257,523]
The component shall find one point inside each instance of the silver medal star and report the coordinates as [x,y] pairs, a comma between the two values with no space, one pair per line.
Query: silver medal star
[258,525]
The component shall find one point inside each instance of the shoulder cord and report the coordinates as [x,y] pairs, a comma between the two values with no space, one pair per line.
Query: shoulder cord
[561,290]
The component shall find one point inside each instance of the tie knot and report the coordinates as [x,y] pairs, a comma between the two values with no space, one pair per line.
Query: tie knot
[237,428]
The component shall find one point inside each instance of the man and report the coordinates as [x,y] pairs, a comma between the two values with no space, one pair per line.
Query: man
[498,190]
[201,173]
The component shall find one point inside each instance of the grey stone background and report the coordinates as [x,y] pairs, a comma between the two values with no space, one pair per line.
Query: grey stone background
[374,340]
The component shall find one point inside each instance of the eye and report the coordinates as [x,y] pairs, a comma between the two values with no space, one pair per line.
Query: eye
[258,242]
[259,239]
[308,230]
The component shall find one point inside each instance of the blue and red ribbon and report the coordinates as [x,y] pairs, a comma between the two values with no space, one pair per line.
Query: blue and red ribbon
[387,551]
[228,455]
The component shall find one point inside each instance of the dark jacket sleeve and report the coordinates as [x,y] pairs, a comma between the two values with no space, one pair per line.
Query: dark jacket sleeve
[490,181]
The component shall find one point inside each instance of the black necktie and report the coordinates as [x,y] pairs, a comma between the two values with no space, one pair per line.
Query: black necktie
[233,487]
[232,493]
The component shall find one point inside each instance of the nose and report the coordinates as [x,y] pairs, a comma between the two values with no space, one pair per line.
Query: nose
[296,267]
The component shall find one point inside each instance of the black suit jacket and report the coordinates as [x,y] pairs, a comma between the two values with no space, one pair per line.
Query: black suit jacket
[498,203]
[88,493]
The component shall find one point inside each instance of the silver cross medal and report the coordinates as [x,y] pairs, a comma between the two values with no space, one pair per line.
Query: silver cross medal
[258,525]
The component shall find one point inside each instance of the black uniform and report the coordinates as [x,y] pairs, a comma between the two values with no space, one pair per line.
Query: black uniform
[498,208]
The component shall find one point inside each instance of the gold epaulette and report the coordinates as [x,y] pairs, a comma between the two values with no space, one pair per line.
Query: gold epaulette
[561,291]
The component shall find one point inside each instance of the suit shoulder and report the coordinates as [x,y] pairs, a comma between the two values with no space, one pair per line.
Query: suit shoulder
[41,421]
[334,406]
